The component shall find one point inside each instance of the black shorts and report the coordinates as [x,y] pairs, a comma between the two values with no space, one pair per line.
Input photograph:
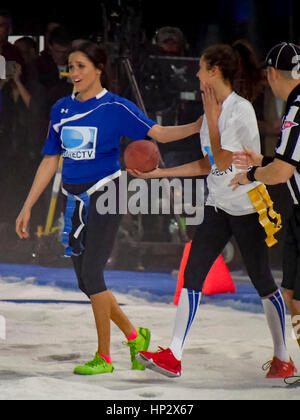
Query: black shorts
[212,236]
[98,239]
[291,254]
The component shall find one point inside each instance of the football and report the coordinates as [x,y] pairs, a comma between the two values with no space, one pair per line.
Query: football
[142,155]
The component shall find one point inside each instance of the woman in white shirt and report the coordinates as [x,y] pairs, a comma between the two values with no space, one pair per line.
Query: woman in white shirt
[229,124]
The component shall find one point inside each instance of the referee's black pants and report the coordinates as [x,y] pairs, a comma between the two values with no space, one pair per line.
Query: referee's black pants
[291,254]
[211,238]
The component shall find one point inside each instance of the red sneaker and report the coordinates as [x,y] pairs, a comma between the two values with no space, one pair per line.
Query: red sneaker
[279,369]
[162,362]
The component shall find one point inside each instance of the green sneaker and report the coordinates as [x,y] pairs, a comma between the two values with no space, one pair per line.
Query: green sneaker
[94,367]
[140,343]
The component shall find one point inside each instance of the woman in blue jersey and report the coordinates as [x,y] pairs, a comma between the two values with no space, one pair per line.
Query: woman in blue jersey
[86,129]
[229,124]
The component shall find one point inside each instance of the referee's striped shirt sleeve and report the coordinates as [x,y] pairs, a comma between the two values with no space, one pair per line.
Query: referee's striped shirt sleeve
[289,146]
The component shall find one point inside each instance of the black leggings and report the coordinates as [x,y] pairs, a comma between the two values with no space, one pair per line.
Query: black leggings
[98,239]
[212,236]
[291,254]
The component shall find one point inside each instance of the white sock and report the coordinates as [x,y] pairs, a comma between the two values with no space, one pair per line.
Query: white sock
[187,308]
[274,307]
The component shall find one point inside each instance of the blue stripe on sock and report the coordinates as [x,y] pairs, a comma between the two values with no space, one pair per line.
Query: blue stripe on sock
[278,302]
[194,300]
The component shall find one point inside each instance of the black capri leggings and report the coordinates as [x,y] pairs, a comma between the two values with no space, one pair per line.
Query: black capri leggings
[212,236]
[98,239]
[291,254]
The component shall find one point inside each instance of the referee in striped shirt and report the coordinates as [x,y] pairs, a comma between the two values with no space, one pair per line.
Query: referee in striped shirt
[283,72]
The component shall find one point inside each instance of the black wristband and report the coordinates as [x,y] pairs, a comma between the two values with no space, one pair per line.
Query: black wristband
[251,173]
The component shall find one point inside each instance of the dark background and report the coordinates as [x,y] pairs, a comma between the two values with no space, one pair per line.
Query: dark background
[263,22]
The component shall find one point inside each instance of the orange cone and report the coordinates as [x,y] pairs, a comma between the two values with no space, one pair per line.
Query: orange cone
[218,280]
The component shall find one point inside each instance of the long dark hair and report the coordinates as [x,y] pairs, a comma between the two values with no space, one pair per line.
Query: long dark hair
[96,54]
[239,66]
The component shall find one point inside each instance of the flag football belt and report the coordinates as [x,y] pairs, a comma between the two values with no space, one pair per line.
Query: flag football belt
[84,205]
[268,218]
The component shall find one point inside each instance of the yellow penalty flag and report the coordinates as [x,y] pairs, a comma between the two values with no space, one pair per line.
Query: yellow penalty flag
[268,218]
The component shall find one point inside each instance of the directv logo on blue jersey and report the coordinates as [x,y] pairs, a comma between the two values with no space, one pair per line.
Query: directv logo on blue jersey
[79,142]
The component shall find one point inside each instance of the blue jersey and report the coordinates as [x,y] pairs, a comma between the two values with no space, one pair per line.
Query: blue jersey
[88,134]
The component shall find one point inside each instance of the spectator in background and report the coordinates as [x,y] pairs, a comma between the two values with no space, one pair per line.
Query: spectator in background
[25,124]
[52,62]
[28,49]
[24,106]
[38,118]
[9,51]
[16,100]
[49,28]
[171,42]
[16,114]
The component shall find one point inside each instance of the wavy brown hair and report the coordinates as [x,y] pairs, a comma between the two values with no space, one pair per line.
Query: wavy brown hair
[239,66]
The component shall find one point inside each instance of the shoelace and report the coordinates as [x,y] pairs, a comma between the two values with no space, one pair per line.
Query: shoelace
[130,343]
[268,365]
[132,346]
[292,380]
[98,360]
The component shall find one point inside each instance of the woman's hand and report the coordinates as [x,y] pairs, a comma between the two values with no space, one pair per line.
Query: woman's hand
[212,107]
[247,158]
[44,174]
[238,180]
[22,223]
[156,173]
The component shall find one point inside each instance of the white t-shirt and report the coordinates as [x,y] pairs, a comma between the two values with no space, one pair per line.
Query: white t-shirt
[238,127]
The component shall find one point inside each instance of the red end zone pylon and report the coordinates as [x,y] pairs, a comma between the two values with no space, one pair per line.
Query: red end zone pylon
[218,280]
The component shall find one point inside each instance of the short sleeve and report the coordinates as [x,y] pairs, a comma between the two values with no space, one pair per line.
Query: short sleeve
[52,144]
[133,122]
[289,145]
